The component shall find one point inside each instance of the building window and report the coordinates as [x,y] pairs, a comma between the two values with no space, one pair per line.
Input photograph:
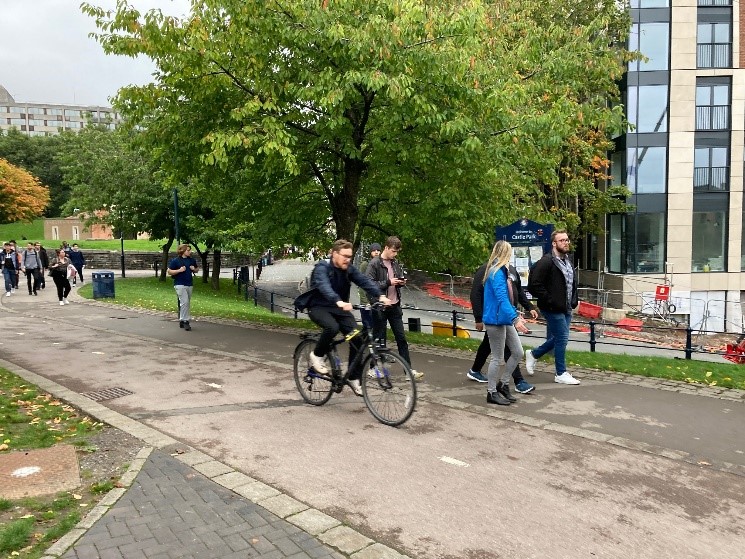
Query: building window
[646,170]
[636,243]
[709,241]
[652,40]
[75,233]
[55,233]
[711,169]
[714,45]
[650,3]
[646,108]
[712,106]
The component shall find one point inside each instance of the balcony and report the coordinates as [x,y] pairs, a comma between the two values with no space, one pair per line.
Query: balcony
[712,117]
[711,179]
[714,55]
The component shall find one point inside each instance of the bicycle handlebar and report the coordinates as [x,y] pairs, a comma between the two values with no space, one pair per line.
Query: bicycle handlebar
[370,306]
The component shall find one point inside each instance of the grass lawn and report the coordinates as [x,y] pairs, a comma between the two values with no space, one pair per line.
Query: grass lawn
[149,293]
[31,419]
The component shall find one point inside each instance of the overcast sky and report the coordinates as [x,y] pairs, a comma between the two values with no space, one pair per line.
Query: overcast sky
[46,55]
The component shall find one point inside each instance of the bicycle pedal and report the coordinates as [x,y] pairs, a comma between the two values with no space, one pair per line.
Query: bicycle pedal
[338,388]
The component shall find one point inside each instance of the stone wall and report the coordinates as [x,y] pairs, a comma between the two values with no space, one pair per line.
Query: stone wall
[112,260]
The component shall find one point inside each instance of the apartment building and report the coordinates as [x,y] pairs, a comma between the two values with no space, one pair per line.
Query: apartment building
[46,119]
[682,160]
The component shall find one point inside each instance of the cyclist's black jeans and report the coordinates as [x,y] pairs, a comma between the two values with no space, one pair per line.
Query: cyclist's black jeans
[483,353]
[394,316]
[333,321]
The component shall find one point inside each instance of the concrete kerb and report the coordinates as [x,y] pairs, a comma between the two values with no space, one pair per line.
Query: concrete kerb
[304,517]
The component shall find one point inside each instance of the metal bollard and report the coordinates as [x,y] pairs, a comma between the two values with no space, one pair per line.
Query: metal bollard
[256,296]
[593,340]
[271,301]
[689,342]
[455,324]
[415,324]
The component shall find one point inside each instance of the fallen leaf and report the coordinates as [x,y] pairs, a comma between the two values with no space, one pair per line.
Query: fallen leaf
[76,496]
[704,463]
[27,516]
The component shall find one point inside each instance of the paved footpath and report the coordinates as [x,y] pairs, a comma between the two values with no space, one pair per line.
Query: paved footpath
[613,468]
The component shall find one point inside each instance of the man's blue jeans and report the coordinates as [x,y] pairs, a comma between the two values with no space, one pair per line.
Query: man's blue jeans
[557,337]
[9,275]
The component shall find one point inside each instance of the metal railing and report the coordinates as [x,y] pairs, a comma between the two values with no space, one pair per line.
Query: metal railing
[711,178]
[712,117]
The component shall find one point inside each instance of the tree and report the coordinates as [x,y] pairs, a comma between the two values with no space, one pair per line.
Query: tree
[37,155]
[22,196]
[435,120]
[113,180]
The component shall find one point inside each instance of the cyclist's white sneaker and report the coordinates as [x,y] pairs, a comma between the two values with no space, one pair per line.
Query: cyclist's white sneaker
[318,363]
[416,374]
[530,362]
[355,386]
[565,378]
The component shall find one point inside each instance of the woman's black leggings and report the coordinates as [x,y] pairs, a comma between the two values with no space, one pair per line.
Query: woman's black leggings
[63,286]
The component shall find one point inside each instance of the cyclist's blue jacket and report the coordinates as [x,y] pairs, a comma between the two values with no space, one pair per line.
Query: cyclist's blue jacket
[330,284]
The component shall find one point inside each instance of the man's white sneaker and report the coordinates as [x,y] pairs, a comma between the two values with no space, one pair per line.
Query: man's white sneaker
[417,374]
[355,386]
[565,378]
[318,363]
[530,362]
[65,301]
[7,294]
[61,303]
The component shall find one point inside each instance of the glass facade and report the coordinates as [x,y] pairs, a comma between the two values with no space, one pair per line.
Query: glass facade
[639,241]
[646,108]
[646,170]
[653,41]
[709,250]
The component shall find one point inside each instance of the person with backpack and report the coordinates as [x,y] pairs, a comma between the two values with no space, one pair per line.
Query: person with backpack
[32,266]
[328,306]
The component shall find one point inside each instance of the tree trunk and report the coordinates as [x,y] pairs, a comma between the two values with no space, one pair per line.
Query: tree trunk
[164,259]
[344,206]
[216,264]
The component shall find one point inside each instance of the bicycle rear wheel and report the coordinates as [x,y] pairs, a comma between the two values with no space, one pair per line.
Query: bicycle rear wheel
[315,388]
[388,388]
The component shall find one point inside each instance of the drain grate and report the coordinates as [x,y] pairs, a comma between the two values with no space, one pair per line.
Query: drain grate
[107,394]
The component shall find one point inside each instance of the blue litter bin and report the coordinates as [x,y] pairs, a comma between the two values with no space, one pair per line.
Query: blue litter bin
[103,284]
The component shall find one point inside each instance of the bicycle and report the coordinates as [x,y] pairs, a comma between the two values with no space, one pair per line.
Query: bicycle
[388,387]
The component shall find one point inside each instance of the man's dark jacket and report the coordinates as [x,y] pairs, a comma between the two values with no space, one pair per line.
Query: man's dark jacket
[477,292]
[330,285]
[547,284]
[377,272]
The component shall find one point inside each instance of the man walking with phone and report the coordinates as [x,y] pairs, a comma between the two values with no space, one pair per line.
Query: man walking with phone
[388,275]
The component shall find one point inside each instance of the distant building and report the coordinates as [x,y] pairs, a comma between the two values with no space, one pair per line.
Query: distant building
[48,119]
[73,229]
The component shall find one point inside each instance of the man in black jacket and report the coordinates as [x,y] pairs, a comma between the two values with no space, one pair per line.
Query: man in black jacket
[329,307]
[388,276]
[484,350]
[553,281]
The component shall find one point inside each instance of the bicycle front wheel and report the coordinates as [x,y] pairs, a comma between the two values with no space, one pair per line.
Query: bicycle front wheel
[315,388]
[388,388]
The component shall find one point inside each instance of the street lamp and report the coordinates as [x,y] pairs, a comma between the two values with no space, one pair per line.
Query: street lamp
[121,238]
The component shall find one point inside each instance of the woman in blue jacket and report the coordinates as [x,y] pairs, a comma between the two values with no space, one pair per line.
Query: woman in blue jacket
[502,322]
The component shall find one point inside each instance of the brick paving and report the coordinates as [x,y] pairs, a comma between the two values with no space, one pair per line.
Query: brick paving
[172,511]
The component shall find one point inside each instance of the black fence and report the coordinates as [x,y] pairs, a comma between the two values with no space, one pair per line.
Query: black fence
[457,324]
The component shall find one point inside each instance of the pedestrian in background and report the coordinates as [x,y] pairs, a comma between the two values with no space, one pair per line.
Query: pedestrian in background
[477,306]
[366,314]
[10,266]
[77,258]
[502,322]
[17,256]
[388,276]
[182,270]
[553,282]
[44,263]
[32,267]
[58,269]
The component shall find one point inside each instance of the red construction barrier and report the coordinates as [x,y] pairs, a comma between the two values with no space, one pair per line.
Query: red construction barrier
[630,324]
[588,310]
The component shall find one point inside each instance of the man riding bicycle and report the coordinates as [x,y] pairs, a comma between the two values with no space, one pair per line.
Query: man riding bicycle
[328,306]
